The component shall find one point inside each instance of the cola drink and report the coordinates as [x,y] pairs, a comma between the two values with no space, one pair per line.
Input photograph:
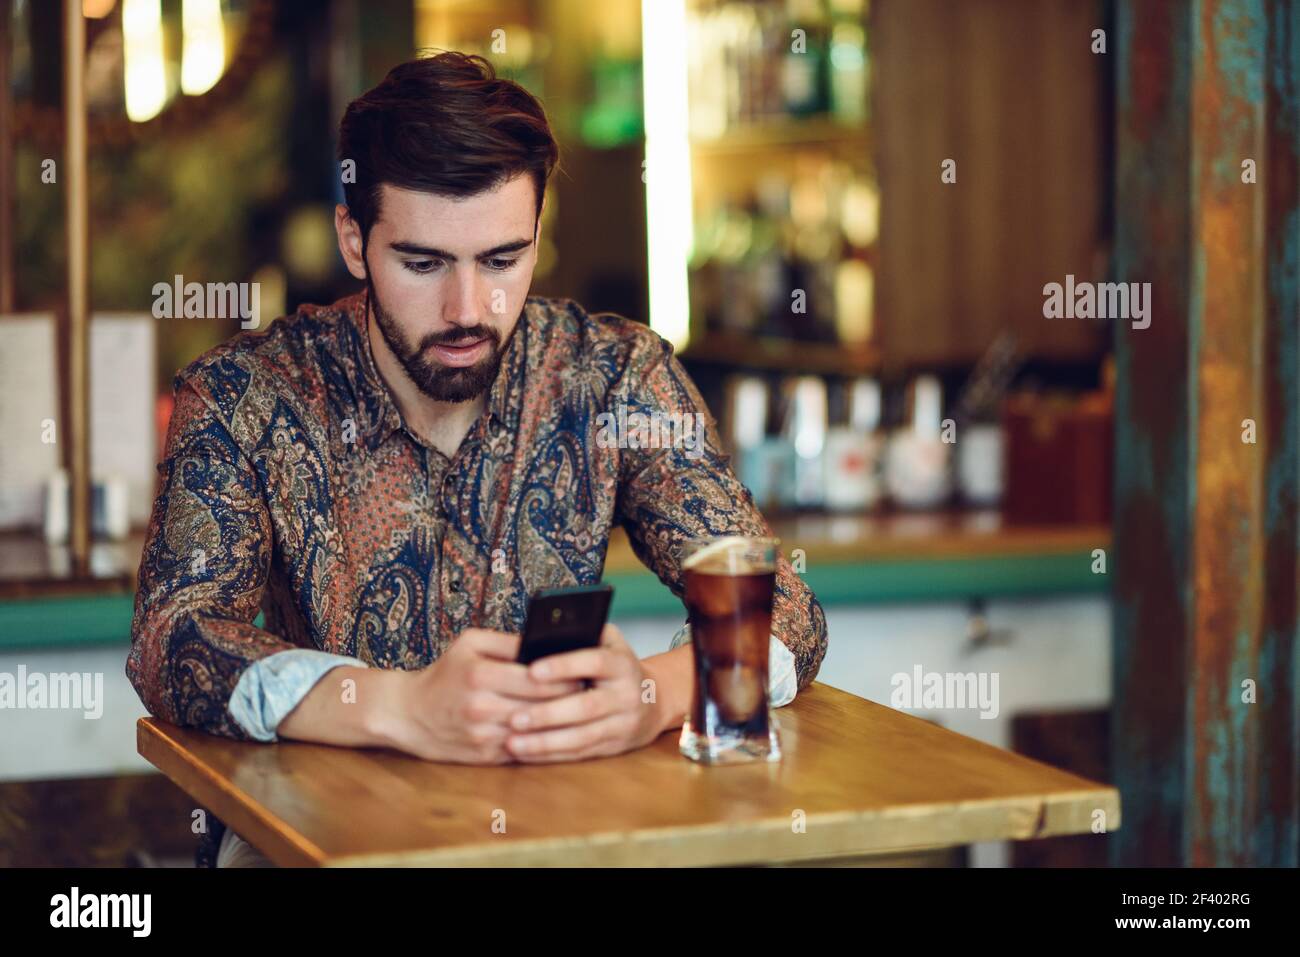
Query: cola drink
[729,586]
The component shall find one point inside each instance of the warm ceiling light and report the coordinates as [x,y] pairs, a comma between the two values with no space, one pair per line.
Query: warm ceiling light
[203,50]
[97,9]
[142,53]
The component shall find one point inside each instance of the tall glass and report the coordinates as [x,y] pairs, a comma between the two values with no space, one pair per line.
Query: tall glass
[729,584]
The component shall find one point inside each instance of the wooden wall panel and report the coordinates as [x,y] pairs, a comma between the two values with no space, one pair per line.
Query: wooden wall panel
[1011,91]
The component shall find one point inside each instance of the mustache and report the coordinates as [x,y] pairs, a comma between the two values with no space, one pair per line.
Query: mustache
[460,336]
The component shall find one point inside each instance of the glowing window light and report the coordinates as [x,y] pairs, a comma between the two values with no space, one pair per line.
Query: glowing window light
[142,51]
[668,167]
[203,49]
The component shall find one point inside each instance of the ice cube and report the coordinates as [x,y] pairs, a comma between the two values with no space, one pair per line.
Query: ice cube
[712,596]
[737,691]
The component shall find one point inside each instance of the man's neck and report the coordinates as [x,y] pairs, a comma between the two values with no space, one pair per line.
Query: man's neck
[442,424]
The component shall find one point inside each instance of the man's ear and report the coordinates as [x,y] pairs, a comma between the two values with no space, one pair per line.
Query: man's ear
[351,242]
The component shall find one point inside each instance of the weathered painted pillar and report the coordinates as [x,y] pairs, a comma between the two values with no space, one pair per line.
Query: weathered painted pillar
[1206,717]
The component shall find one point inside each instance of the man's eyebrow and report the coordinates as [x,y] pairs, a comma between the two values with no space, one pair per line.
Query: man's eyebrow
[415,249]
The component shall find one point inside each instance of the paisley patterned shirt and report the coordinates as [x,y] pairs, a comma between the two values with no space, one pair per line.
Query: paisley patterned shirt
[290,484]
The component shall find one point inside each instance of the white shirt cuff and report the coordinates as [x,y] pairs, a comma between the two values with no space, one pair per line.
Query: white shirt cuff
[782,679]
[272,687]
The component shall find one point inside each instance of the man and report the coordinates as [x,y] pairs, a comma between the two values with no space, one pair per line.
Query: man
[390,477]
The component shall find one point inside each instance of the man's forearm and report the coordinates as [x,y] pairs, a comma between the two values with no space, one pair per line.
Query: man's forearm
[336,712]
[674,677]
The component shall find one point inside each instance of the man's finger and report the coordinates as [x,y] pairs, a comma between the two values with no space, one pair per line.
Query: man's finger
[492,644]
[562,744]
[493,708]
[612,637]
[513,680]
[584,663]
[576,708]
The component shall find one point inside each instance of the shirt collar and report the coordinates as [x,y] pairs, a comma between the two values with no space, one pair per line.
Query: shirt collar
[378,408]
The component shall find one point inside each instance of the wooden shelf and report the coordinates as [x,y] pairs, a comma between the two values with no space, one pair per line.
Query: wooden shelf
[825,358]
[783,134]
[908,536]
[29,568]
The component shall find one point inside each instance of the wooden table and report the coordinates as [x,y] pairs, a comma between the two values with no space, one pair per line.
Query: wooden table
[862,778]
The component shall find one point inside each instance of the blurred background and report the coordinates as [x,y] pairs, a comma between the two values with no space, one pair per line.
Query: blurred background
[843,214]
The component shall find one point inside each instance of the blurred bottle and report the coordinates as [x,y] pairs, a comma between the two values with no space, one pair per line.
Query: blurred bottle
[755,62]
[980,439]
[806,63]
[745,429]
[816,248]
[853,451]
[109,512]
[805,427]
[848,70]
[768,466]
[980,463]
[917,464]
[854,297]
[55,518]
[738,303]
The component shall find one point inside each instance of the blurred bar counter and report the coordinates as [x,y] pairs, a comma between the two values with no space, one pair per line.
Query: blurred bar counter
[902,557]
[846,559]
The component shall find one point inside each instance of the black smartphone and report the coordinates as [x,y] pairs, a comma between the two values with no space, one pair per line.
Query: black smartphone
[564,619]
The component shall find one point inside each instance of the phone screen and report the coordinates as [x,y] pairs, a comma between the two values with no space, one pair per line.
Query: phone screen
[564,619]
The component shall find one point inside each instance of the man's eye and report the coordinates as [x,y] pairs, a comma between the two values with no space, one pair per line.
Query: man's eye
[500,265]
[421,265]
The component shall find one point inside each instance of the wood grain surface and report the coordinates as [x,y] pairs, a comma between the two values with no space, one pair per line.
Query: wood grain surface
[863,778]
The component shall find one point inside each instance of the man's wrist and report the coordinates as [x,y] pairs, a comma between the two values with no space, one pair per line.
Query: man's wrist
[673,674]
[383,713]
[352,707]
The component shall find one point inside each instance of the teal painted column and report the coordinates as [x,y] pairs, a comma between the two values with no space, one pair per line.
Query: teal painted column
[1205,721]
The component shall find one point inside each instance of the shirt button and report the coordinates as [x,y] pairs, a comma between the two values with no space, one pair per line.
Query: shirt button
[455,585]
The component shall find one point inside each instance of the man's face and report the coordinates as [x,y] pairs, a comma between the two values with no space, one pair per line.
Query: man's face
[448,278]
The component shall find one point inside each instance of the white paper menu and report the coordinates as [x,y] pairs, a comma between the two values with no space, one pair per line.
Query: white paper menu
[122,395]
[30,432]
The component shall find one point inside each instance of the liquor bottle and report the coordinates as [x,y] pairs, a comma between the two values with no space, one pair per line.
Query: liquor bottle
[854,451]
[917,463]
[805,68]
[805,427]
[848,72]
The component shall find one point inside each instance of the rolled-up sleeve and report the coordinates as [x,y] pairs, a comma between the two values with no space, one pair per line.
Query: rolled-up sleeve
[271,688]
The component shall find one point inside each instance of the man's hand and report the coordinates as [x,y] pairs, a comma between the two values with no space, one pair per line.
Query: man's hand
[620,712]
[458,708]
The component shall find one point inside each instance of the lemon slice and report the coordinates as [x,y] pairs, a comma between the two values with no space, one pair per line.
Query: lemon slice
[716,548]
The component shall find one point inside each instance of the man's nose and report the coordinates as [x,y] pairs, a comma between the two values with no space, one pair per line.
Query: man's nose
[464,307]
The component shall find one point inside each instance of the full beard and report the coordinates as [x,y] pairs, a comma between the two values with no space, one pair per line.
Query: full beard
[437,381]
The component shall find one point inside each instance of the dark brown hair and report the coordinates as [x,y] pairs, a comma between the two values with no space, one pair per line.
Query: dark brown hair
[444,124]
